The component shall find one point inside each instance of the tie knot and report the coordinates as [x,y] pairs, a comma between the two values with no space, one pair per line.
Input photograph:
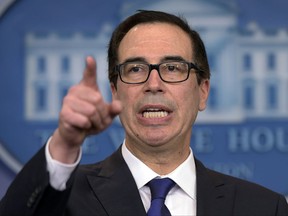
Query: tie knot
[160,187]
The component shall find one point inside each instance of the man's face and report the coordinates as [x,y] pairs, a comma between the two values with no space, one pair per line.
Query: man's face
[156,113]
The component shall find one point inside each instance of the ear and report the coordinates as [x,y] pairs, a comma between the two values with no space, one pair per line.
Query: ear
[204,89]
[114,91]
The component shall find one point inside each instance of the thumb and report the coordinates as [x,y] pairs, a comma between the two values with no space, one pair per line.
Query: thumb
[115,108]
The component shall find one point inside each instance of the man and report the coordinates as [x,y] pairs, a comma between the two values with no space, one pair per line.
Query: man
[159,77]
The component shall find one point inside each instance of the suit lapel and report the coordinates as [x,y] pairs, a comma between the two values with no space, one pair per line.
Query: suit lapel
[214,196]
[116,189]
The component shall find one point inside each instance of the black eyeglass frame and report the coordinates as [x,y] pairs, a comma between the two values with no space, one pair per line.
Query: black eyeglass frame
[156,67]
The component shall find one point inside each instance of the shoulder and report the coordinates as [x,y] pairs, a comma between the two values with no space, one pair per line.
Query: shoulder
[105,167]
[243,195]
[241,185]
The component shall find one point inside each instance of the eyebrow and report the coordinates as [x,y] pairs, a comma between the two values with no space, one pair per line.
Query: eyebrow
[172,58]
[163,59]
[135,59]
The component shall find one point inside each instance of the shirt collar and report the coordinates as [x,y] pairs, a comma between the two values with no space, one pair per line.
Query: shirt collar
[184,175]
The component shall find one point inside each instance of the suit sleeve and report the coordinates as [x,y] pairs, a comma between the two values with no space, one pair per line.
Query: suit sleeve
[31,194]
[282,209]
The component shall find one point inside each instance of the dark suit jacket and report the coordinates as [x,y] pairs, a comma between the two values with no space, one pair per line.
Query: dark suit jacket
[108,188]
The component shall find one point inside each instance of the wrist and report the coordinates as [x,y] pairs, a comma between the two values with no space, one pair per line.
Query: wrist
[62,151]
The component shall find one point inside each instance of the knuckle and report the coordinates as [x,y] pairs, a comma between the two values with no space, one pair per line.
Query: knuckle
[84,124]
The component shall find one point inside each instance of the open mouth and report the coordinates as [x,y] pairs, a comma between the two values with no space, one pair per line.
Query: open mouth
[154,113]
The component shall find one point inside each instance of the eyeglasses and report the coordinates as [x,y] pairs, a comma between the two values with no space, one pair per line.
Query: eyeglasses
[170,72]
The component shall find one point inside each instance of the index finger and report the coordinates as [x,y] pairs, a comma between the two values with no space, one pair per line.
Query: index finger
[89,75]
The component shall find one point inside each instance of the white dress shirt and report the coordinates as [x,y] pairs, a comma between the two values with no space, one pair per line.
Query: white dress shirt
[59,173]
[181,199]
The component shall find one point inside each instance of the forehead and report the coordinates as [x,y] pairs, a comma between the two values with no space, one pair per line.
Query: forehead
[155,40]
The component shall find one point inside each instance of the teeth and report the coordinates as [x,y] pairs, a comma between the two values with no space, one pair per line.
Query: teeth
[154,114]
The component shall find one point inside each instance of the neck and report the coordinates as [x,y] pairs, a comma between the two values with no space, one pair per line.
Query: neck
[161,159]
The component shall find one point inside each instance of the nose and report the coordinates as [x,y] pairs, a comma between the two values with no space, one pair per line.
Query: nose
[154,82]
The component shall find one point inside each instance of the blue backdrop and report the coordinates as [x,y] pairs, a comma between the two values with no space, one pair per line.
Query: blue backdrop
[243,132]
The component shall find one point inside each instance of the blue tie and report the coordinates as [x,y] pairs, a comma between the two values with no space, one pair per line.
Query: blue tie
[159,190]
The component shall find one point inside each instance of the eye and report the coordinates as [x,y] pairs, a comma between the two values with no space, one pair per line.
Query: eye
[171,67]
[134,68]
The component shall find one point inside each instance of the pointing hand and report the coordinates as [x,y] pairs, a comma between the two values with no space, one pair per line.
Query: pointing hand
[84,112]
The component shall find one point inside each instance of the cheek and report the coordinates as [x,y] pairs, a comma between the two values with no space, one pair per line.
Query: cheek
[191,100]
[127,98]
